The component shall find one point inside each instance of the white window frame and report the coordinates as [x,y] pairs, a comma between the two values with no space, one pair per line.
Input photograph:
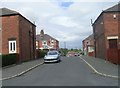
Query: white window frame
[12,48]
[44,43]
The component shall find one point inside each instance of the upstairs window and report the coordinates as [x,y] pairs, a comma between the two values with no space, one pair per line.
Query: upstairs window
[44,43]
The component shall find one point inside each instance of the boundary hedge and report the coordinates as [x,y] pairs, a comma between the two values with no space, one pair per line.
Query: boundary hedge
[8,59]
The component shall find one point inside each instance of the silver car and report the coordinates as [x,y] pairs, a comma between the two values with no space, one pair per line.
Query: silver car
[52,56]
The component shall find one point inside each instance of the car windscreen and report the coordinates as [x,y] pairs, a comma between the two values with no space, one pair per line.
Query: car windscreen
[52,53]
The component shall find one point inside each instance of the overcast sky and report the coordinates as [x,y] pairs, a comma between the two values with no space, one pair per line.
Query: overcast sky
[66,20]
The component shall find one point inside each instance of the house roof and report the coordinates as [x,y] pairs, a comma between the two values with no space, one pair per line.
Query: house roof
[6,11]
[115,8]
[46,37]
[89,37]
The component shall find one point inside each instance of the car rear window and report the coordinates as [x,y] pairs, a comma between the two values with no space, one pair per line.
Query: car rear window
[52,53]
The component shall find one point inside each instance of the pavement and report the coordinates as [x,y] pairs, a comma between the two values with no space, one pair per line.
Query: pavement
[102,66]
[19,69]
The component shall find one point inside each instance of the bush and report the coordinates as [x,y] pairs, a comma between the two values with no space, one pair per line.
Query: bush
[9,59]
[41,53]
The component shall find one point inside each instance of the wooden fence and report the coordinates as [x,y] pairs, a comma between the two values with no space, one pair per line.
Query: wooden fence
[113,55]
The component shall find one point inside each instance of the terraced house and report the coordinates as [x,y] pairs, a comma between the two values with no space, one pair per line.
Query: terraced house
[88,45]
[106,34]
[46,42]
[18,35]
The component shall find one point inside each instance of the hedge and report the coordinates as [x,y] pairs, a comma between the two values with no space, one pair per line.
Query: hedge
[41,53]
[8,59]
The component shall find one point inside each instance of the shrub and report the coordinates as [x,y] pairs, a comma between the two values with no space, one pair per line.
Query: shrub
[9,59]
[41,53]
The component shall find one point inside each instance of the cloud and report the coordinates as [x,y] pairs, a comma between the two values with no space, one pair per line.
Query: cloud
[63,21]
[59,0]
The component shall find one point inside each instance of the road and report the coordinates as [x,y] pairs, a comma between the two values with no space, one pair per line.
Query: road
[71,71]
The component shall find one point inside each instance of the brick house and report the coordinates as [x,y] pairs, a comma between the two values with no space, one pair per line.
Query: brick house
[88,45]
[106,35]
[18,35]
[45,41]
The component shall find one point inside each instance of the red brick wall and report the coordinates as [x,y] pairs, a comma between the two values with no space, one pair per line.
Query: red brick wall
[10,29]
[110,25]
[98,30]
[57,44]
[18,27]
[40,44]
[48,42]
[119,37]
[119,32]
[111,28]
[0,42]
[27,39]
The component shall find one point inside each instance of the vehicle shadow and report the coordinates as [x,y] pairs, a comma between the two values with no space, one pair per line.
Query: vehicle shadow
[53,62]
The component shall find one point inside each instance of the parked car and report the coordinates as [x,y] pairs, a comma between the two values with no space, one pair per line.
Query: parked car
[52,56]
[70,54]
[77,54]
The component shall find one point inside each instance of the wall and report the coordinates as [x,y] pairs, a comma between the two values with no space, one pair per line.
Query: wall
[9,30]
[27,39]
[111,26]
[0,42]
[119,36]
[98,30]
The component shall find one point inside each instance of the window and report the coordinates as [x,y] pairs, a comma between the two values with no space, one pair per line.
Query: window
[12,46]
[44,43]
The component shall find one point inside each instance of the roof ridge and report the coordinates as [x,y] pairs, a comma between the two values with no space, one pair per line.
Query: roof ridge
[112,8]
[6,11]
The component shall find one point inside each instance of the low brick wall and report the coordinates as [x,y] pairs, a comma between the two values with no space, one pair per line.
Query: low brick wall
[91,54]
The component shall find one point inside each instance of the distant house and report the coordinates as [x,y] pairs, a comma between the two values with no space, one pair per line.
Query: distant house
[107,35]
[45,41]
[88,45]
[18,35]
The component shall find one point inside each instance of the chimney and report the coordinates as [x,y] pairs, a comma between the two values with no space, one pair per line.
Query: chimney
[41,33]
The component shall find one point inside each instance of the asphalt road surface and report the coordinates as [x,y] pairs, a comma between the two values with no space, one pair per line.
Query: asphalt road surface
[71,71]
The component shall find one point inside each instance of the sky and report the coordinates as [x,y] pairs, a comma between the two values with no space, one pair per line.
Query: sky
[69,21]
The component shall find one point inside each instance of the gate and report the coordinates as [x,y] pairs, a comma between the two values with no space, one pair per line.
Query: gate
[113,55]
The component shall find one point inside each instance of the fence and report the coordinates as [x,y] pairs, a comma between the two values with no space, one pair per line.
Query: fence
[113,55]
